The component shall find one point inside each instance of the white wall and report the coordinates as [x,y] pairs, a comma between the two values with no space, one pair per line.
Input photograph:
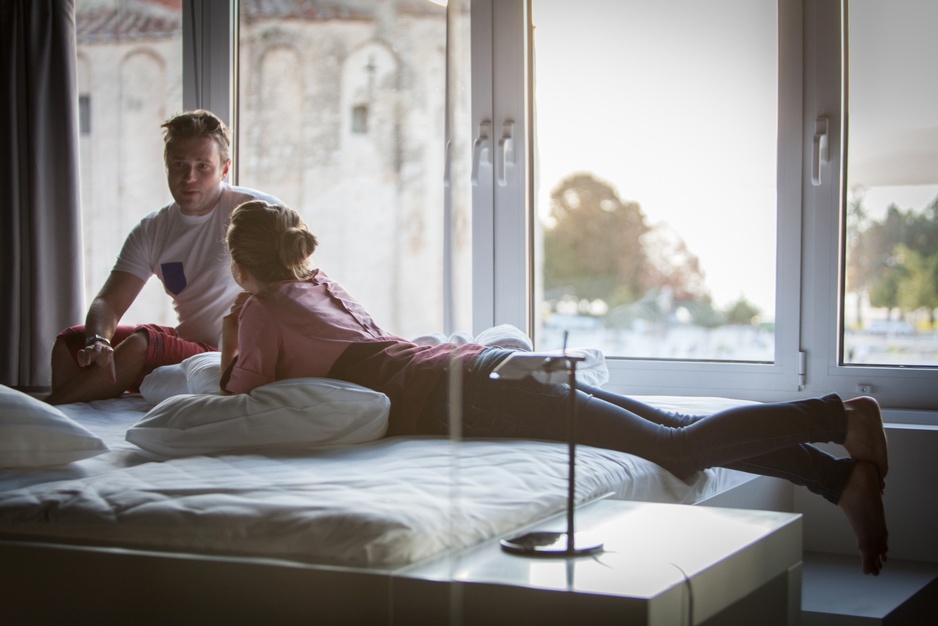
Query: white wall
[911,502]
[911,498]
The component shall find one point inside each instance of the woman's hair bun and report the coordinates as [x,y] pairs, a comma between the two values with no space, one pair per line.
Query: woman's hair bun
[271,241]
[296,246]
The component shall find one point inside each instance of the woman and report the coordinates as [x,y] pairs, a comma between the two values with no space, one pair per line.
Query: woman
[293,321]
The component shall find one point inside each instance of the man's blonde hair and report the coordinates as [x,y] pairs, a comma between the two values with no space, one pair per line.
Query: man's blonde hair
[196,125]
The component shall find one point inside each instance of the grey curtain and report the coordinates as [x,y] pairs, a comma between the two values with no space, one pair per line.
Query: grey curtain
[40,224]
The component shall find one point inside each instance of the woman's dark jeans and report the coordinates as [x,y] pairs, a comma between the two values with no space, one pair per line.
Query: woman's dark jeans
[768,439]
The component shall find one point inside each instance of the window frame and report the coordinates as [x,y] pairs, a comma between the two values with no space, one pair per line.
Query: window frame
[893,386]
[645,376]
[209,60]
[500,116]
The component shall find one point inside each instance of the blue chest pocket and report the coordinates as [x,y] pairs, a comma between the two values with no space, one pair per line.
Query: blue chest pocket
[174,278]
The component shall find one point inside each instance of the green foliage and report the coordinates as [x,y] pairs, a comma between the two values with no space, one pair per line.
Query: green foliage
[895,259]
[917,286]
[742,312]
[703,313]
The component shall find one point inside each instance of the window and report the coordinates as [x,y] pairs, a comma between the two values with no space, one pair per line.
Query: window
[840,75]
[130,82]
[789,162]
[341,115]
[764,171]
[891,186]
[656,167]
[360,119]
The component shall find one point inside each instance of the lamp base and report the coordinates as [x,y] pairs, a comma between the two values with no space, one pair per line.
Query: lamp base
[550,544]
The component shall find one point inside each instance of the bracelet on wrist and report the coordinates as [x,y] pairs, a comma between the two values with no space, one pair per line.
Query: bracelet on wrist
[96,338]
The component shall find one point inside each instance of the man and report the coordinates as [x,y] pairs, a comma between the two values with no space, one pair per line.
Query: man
[183,244]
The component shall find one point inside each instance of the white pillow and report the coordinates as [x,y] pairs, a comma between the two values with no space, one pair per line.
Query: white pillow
[36,434]
[505,336]
[293,414]
[593,371]
[203,373]
[164,382]
[197,374]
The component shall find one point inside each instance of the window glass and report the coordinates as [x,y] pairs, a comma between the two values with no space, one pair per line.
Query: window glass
[341,115]
[129,82]
[656,169]
[891,295]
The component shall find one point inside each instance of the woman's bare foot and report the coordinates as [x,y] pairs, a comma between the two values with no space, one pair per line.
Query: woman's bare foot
[866,437]
[862,503]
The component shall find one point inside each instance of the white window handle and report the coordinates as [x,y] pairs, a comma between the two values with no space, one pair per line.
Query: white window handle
[506,152]
[821,153]
[480,151]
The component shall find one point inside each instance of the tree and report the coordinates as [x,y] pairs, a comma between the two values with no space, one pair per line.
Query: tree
[859,265]
[917,286]
[592,248]
[598,246]
[742,312]
[896,259]
[670,264]
[876,265]
[884,291]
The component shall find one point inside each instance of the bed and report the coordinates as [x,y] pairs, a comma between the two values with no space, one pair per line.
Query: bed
[247,514]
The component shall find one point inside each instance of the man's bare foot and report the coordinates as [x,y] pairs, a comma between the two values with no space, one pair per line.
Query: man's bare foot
[866,437]
[862,503]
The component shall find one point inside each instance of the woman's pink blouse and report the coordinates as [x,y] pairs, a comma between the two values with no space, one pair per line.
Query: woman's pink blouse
[296,329]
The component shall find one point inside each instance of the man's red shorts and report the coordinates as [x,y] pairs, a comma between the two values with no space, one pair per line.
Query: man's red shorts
[165,346]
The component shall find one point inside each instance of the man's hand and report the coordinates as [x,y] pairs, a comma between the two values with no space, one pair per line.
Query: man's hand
[100,354]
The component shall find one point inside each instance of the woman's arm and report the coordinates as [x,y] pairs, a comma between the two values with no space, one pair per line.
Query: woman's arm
[229,341]
[256,349]
[230,326]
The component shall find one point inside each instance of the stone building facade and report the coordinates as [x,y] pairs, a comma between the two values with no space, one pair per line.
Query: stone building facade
[341,109]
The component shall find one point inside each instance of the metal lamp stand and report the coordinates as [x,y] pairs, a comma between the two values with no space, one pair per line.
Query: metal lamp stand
[518,366]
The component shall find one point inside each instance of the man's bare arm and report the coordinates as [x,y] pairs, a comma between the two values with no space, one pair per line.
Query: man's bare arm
[103,381]
[106,310]
[108,307]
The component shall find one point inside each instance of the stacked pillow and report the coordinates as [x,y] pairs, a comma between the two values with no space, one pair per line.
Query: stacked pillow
[191,417]
[197,374]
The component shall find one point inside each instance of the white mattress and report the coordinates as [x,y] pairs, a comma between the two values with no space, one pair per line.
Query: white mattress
[392,502]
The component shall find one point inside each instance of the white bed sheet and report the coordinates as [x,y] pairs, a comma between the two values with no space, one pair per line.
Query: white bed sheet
[391,502]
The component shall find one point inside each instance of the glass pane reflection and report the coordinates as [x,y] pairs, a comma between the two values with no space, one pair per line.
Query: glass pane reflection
[891,292]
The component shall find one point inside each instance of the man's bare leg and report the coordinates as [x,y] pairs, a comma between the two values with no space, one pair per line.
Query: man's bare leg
[94,383]
[862,503]
[64,367]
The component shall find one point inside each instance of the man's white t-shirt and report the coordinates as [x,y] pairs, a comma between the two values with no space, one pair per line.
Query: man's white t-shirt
[190,257]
